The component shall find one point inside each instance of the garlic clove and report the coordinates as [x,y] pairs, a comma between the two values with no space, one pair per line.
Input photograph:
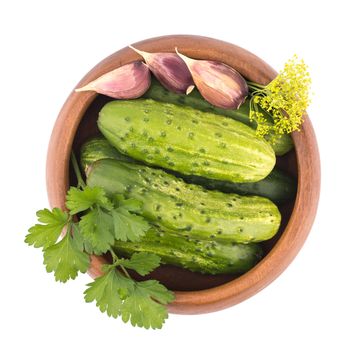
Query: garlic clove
[126,82]
[218,83]
[169,69]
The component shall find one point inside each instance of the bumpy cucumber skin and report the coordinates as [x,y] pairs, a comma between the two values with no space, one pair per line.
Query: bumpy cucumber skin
[157,92]
[277,186]
[176,205]
[186,140]
[208,257]
[99,148]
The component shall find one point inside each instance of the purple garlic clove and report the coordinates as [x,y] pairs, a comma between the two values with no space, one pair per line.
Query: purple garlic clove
[219,84]
[170,70]
[126,82]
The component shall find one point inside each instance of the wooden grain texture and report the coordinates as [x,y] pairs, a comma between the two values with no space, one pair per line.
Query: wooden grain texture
[219,291]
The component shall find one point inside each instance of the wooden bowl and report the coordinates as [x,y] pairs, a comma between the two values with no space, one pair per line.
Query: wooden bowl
[196,293]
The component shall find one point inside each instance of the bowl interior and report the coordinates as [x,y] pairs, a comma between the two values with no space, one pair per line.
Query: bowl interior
[176,278]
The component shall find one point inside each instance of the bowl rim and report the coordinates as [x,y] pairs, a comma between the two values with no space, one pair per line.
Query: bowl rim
[307,155]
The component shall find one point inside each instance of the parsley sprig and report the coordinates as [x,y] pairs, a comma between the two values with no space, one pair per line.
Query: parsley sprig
[141,303]
[102,220]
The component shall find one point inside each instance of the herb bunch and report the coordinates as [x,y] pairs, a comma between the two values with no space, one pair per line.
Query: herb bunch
[103,220]
[285,99]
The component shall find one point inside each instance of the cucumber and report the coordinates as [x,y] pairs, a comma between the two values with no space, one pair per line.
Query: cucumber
[157,92]
[209,257]
[186,140]
[98,148]
[277,186]
[189,209]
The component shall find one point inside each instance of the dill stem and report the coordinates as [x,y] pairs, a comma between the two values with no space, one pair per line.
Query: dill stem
[256,86]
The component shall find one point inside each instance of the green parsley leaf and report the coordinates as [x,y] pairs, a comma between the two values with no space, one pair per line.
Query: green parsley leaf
[140,302]
[128,226]
[81,200]
[46,235]
[65,259]
[133,205]
[156,291]
[144,307]
[96,228]
[108,291]
[78,237]
[143,263]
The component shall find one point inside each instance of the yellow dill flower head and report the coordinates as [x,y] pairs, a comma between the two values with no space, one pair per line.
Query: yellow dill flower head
[286,99]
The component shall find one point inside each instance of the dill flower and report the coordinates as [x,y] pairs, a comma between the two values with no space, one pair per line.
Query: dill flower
[285,99]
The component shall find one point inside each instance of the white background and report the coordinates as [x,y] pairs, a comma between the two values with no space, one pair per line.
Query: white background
[46,47]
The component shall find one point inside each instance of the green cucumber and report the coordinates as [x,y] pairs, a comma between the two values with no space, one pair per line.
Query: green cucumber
[209,257]
[98,148]
[157,92]
[189,209]
[186,140]
[277,186]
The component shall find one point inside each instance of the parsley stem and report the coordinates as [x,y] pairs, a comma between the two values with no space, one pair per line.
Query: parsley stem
[69,226]
[114,255]
[115,261]
[125,272]
[81,182]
